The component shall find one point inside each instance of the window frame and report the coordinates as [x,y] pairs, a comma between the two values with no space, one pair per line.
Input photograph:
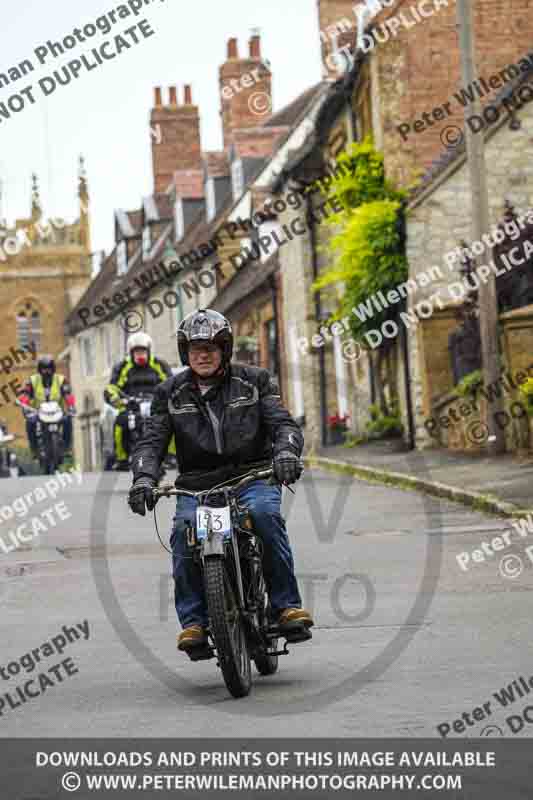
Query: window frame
[106,338]
[87,341]
[32,336]
[122,257]
[210,199]
[179,221]
[237,178]
[146,242]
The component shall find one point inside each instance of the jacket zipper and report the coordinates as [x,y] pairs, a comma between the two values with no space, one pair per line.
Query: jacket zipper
[216,427]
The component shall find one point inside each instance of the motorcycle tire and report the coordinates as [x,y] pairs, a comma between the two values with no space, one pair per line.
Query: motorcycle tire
[227,628]
[264,663]
[54,455]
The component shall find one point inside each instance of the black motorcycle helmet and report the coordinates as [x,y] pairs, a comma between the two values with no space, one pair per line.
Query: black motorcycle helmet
[208,326]
[46,367]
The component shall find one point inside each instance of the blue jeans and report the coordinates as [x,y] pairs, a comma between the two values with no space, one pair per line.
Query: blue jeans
[263,501]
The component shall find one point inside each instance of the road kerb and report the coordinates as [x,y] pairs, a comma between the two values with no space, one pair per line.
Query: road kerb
[479,502]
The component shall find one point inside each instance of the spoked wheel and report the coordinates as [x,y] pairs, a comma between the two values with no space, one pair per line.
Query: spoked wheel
[227,629]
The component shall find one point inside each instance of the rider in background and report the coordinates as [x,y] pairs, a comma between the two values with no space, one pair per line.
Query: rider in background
[138,374]
[46,386]
[227,419]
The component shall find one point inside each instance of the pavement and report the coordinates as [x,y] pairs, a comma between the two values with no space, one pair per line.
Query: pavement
[405,639]
[501,485]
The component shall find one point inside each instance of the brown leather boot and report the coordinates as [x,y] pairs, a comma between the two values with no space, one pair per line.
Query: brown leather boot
[295,617]
[191,637]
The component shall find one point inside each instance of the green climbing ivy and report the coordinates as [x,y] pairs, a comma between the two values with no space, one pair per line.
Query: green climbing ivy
[367,247]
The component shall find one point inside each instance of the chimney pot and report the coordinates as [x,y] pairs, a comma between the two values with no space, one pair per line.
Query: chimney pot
[255,46]
[188,95]
[173,100]
[232,48]
[158,101]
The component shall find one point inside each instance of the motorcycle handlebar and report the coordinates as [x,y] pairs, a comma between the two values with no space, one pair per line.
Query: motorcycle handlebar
[169,490]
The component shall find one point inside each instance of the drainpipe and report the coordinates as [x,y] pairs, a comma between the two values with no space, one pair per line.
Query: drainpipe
[318,317]
[277,356]
[407,382]
[372,380]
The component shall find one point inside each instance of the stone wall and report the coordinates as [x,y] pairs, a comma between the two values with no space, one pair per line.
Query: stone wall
[419,71]
[438,220]
[42,279]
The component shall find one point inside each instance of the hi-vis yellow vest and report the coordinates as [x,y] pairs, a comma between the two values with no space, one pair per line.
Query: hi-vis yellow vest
[39,392]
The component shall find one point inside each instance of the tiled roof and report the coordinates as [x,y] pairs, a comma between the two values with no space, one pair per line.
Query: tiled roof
[247,280]
[200,231]
[291,113]
[257,142]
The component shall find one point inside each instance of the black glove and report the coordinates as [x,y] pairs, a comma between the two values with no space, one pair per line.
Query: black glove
[287,467]
[141,495]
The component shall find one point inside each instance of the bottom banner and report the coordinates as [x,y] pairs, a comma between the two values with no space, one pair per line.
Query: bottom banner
[212,768]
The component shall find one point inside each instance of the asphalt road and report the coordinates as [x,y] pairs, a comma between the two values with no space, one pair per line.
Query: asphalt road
[405,640]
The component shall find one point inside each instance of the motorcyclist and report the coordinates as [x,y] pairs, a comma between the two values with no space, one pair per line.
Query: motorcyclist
[46,386]
[137,374]
[226,418]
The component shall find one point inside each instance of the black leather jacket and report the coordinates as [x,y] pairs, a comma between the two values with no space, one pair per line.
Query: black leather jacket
[237,423]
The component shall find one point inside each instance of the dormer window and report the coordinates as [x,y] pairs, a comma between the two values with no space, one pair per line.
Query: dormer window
[210,199]
[179,222]
[147,241]
[122,258]
[237,178]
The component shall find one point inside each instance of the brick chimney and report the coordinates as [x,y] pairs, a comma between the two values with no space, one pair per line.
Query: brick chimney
[245,89]
[175,135]
[338,24]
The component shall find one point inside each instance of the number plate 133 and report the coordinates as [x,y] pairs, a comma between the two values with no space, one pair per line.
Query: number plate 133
[220,521]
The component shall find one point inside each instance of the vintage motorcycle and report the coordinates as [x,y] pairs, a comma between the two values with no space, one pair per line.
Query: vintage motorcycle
[138,409]
[222,540]
[49,418]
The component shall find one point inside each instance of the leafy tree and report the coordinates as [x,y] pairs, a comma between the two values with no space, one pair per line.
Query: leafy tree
[367,245]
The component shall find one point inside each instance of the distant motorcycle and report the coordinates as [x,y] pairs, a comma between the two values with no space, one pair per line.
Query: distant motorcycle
[138,409]
[9,466]
[50,419]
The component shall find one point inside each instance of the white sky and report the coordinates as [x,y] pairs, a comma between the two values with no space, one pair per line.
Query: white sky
[104,114]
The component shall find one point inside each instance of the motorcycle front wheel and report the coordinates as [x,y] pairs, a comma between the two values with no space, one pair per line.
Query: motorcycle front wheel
[53,455]
[227,628]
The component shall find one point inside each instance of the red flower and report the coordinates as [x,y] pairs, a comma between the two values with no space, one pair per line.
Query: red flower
[337,421]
